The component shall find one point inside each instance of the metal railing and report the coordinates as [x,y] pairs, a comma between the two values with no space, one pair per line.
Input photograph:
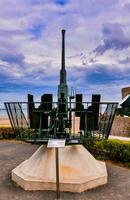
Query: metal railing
[53,119]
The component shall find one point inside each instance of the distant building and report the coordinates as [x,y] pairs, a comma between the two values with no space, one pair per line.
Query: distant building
[121,124]
[125,91]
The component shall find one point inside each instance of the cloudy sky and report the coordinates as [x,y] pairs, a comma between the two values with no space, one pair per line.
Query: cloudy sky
[97,47]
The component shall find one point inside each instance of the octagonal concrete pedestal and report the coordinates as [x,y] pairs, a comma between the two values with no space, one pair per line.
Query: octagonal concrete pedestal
[78,169]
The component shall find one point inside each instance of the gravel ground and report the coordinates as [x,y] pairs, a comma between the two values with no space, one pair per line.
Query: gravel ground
[12,153]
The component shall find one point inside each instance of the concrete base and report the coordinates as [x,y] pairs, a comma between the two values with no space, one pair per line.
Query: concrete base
[79,170]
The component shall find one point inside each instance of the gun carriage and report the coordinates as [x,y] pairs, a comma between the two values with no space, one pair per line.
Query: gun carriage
[68,118]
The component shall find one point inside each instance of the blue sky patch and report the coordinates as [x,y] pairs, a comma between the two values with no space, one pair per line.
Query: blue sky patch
[61,2]
[36,30]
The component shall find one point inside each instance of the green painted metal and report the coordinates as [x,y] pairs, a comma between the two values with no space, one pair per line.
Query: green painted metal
[62,87]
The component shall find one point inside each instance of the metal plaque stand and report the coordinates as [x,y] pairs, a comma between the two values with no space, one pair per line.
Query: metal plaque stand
[57,174]
[56,143]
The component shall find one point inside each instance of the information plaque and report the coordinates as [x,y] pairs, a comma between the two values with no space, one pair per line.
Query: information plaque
[59,143]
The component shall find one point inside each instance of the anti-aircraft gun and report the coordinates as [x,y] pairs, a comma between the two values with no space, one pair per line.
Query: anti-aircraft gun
[68,118]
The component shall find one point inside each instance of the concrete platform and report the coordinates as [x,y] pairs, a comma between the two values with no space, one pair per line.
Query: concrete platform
[79,170]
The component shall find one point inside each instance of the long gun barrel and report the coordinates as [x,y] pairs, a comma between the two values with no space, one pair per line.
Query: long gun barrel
[63,50]
[62,87]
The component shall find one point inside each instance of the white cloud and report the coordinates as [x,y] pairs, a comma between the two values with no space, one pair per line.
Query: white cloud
[21,20]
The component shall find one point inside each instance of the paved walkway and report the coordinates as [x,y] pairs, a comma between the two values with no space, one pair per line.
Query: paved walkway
[13,153]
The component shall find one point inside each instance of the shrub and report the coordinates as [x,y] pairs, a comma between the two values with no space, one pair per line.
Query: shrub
[26,133]
[22,133]
[6,133]
[1,136]
[115,150]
